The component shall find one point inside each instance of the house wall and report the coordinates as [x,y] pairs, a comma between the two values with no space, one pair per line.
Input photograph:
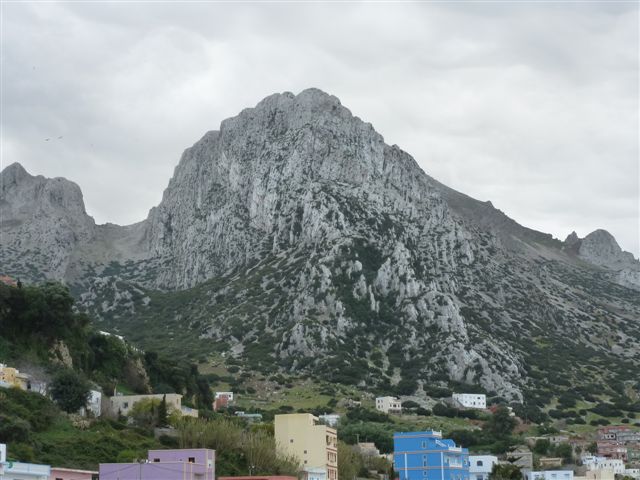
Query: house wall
[550,475]
[427,456]
[480,466]
[124,403]
[314,445]
[183,464]
[27,471]
[471,400]
[71,474]
[388,404]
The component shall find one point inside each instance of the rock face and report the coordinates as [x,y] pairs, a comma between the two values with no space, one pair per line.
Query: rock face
[295,238]
[601,249]
[43,221]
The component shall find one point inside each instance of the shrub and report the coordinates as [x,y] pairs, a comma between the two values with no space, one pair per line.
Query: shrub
[14,429]
[70,390]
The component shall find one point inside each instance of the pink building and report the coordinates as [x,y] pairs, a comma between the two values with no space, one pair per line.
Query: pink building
[184,464]
[72,474]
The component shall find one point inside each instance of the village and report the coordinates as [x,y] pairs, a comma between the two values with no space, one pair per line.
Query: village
[311,442]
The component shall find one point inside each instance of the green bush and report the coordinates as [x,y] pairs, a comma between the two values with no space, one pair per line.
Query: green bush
[70,390]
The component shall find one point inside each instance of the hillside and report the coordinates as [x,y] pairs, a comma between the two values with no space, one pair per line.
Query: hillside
[295,239]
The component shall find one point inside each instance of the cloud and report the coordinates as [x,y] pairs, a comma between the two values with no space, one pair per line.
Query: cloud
[532,106]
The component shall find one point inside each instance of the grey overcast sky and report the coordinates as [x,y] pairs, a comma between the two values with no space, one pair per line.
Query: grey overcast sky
[532,105]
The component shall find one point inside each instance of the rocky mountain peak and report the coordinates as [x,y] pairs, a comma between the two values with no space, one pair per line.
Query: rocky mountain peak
[13,174]
[45,215]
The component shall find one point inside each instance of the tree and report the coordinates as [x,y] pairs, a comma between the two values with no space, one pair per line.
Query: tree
[349,462]
[541,446]
[162,412]
[70,390]
[507,471]
[565,451]
[501,424]
[592,448]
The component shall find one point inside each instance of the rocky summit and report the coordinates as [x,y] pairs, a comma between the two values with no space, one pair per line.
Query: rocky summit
[294,238]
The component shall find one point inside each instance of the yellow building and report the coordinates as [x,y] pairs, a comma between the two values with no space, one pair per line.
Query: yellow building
[314,445]
[13,378]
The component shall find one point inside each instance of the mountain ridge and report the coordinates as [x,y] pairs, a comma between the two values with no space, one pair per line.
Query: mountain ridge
[303,242]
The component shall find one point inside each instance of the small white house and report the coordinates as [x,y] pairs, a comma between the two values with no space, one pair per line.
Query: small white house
[471,400]
[388,405]
[480,466]
[550,475]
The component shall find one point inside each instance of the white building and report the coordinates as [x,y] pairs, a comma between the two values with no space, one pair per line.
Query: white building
[388,405]
[330,419]
[471,400]
[480,466]
[26,471]
[589,460]
[550,475]
[603,463]
[94,404]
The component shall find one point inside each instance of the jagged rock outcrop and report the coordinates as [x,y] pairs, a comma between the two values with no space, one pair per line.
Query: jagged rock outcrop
[295,238]
[600,248]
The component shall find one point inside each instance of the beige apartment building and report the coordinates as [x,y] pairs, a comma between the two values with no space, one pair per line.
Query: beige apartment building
[313,444]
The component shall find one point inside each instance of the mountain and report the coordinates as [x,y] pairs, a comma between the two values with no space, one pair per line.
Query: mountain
[294,238]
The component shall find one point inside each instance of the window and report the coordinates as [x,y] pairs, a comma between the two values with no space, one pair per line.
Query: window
[156,460]
[424,444]
[479,463]
[192,459]
[125,405]
[291,440]
[425,473]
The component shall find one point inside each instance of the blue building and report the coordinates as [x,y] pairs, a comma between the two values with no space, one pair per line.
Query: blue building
[428,456]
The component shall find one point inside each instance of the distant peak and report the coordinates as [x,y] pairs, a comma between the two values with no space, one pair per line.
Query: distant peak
[572,238]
